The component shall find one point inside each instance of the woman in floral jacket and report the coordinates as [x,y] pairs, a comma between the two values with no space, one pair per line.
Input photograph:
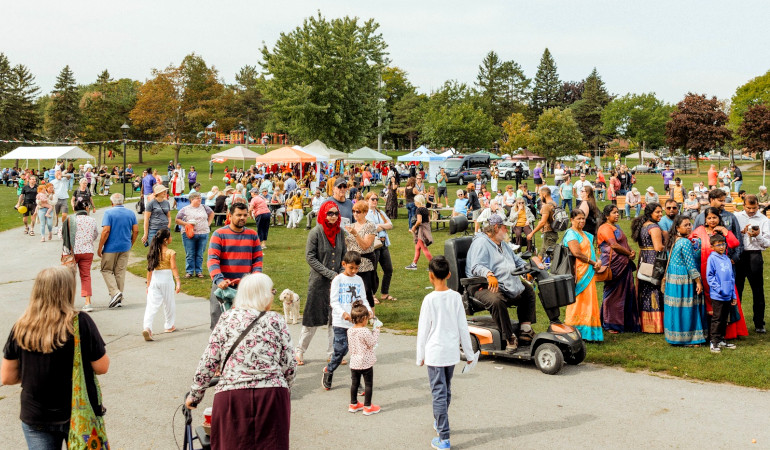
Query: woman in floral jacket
[256,377]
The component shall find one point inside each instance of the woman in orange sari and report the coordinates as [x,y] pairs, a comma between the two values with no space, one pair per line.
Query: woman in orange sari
[702,247]
[584,313]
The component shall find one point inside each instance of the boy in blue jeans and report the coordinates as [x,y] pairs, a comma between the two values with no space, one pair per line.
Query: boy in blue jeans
[721,280]
[441,327]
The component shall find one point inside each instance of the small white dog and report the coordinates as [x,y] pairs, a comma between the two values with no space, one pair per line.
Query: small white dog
[290,301]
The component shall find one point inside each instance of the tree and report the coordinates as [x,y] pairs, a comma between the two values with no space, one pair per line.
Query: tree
[325,80]
[545,93]
[406,118]
[755,92]
[639,118]
[571,91]
[64,112]
[517,133]
[557,134]
[178,102]
[502,87]
[18,116]
[588,110]
[451,117]
[754,131]
[698,125]
[244,102]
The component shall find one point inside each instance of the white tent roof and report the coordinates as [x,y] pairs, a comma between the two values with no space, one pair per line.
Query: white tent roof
[367,154]
[319,157]
[448,153]
[48,153]
[238,153]
[572,158]
[645,155]
[421,154]
[319,148]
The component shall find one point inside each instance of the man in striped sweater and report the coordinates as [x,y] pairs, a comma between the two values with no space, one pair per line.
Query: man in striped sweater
[234,251]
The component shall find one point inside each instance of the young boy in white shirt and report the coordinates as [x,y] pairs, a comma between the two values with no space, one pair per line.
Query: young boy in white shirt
[346,288]
[441,327]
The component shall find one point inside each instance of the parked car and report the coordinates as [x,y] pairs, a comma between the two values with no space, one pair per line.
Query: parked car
[464,168]
[507,169]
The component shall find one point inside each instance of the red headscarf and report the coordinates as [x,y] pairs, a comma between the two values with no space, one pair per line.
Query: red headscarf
[331,230]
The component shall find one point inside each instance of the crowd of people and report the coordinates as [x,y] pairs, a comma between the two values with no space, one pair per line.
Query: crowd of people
[685,282]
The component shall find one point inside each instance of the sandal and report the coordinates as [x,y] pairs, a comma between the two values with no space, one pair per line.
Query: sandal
[31,233]
[388,298]
[188,275]
[170,330]
[376,301]
[299,359]
[26,230]
[200,275]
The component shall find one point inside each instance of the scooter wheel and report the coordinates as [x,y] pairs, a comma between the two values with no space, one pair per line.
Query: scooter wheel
[576,358]
[549,359]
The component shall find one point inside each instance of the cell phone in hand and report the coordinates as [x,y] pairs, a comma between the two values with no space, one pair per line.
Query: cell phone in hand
[755,227]
[147,243]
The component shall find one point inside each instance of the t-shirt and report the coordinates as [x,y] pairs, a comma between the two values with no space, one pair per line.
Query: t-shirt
[61,187]
[158,214]
[668,175]
[121,222]
[84,196]
[30,194]
[665,223]
[344,291]
[461,206]
[712,177]
[46,379]
[165,260]
[441,180]
[565,191]
[147,183]
[442,329]
[424,213]
[737,175]
[198,216]
[345,208]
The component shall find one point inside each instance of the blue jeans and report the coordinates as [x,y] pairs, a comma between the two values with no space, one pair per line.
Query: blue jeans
[637,207]
[340,348]
[566,202]
[411,211]
[41,212]
[737,186]
[194,249]
[45,437]
[440,379]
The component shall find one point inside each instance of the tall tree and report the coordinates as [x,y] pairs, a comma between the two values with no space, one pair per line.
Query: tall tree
[459,125]
[588,110]
[64,113]
[19,117]
[754,131]
[400,97]
[516,133]
[557,134]
[405,123]
[571,91]
[640,119]
[178,102]
[502,87]
[755,92]
[697,125]
[325,80]
[545,93]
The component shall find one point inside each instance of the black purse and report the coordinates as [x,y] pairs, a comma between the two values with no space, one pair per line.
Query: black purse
[660,266]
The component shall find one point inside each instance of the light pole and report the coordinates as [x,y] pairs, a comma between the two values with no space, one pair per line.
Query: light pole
[124,128]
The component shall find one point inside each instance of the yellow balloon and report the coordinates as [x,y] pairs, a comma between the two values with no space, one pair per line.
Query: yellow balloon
[22,209]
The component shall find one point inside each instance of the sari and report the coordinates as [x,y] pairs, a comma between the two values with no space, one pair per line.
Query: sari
[584,313]
[649,294]
[619,310]
[684,312]
[702,249]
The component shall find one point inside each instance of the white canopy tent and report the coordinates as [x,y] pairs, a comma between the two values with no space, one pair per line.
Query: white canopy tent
[645,155]
[423,154]
[238,153]
[573,158]
[367,154]
[319,148]
[448,153]
[53,153]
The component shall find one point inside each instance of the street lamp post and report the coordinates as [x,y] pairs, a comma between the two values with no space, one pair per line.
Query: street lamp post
[124,128]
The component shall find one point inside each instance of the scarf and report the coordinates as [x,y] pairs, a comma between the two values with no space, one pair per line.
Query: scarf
[330,230]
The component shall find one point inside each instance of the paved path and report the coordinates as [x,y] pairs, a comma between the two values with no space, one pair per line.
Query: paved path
[499,405]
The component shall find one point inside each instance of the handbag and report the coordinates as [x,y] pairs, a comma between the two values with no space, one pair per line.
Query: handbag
[378,243]
[189,230]
[654,272]
[87,430]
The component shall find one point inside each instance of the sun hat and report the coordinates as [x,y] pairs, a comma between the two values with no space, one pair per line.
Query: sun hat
[650,189]
[635,191]
[158,188]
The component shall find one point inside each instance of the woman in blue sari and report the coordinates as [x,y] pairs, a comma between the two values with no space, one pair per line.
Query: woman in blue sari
[683,307]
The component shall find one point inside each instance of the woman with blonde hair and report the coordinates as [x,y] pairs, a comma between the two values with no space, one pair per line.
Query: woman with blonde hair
[40,352]
[252,397]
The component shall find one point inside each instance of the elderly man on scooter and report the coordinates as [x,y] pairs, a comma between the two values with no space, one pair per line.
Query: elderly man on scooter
[491,258]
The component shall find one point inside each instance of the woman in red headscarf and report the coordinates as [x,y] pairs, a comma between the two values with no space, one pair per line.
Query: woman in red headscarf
[324,251]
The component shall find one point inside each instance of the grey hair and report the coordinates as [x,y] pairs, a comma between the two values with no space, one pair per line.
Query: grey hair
[194,195]
[763,188]
[488,229]
[419,200]
[255,291]
[117,199]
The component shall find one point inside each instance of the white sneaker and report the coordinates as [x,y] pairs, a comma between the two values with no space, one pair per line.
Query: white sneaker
[729,345]
[87,308]
[412,266]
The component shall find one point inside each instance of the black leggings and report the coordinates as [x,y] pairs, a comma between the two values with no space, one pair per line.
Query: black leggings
[355,375]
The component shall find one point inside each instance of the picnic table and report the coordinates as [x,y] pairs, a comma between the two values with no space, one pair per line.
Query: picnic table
[439,219]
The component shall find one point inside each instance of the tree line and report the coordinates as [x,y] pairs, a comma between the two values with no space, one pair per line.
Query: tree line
[331,79]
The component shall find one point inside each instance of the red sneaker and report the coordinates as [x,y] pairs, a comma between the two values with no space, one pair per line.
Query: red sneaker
[355,407]
[369,410]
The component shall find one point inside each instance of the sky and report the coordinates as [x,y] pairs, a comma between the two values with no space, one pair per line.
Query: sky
[670,48]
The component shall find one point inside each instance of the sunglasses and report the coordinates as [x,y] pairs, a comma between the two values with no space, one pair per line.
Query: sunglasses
[672,207]
[332,213]
[373,198]
[357,212]
[343,186]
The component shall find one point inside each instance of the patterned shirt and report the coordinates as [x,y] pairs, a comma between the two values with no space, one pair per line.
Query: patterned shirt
[263,359]
[86,234]
[234,254]
[361,342]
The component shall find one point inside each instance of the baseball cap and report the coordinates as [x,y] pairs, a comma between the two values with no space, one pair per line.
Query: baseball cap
[340,181]
[496,219]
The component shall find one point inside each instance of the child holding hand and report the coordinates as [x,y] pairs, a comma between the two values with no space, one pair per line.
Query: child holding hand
[161,267]
[362,342]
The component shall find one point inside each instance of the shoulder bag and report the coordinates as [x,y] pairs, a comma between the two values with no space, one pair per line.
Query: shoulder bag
[87,430]
[240,338]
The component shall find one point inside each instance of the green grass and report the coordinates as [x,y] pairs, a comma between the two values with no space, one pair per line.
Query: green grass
[285,263]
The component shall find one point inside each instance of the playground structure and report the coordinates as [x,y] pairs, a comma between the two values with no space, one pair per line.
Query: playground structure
[273,138]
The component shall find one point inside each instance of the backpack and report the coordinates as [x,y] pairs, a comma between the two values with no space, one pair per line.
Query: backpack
[559,219]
